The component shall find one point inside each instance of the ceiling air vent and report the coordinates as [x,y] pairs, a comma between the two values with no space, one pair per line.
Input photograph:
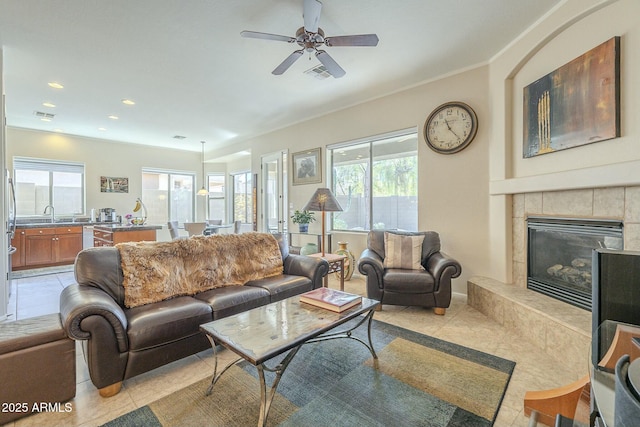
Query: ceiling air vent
[42,115]
[320,72]
[179,137]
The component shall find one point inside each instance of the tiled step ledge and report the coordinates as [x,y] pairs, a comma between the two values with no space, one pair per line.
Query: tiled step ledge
[561,330]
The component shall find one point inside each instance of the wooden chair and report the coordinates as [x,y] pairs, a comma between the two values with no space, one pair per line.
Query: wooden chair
[545,405]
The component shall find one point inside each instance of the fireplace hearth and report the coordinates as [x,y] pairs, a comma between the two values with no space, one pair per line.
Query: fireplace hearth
[559,254]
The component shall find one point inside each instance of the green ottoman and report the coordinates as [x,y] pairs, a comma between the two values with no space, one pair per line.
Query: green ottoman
[37,367]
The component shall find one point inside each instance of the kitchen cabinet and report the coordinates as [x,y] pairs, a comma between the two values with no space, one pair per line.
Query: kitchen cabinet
[68,244]
[17,258]
[112,235]
[51,245]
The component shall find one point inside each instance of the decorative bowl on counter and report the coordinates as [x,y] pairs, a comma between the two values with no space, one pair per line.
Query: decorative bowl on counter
[137,221]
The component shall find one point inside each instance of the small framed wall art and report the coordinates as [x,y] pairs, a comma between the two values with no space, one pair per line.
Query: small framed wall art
[306,167]
[109,184]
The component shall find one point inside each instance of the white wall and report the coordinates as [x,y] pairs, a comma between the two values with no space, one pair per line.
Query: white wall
[453,189]
[104,158]
[573,28]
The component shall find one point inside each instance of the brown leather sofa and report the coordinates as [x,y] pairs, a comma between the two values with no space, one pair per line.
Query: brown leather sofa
[120,343]
[430,287]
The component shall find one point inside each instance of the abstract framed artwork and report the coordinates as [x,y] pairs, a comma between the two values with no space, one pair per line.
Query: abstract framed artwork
[306,167]
[576,104]
[109,184]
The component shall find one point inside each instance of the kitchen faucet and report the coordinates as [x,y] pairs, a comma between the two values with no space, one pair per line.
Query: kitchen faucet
[53,215]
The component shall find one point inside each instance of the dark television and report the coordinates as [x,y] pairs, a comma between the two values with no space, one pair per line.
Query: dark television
[616,294]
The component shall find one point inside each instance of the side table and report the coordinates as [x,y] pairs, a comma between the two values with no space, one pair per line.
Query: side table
[336,264]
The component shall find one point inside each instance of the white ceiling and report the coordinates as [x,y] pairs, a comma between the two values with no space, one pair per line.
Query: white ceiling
[190,73]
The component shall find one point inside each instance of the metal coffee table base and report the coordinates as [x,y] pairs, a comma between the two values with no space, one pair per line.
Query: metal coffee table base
[266,398]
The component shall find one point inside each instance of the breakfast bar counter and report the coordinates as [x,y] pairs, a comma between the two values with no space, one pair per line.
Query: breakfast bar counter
[112,234]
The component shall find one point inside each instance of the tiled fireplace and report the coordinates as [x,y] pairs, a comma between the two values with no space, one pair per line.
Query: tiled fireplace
[559,328]
[618,203]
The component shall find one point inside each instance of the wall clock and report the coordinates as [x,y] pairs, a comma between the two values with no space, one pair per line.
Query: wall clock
[450,127]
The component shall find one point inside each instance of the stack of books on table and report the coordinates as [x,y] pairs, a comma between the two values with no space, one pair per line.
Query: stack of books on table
[331,299]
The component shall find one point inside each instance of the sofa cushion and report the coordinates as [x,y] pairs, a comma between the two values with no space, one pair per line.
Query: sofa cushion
[284,286]
[403,252]
[233,299]
[155,271]
[166,321]
[408,282]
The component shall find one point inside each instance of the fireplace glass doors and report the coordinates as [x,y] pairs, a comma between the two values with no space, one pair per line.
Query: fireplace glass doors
[559,255]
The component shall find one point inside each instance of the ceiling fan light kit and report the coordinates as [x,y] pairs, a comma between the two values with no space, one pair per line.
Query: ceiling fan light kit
[311,37]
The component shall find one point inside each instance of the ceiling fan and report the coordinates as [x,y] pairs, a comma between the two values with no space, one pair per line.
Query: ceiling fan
[311,37]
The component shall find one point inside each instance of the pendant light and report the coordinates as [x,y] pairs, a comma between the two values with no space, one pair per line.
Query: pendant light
[203,191]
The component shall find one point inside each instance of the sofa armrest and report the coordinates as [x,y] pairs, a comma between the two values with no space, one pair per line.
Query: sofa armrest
[80,302]
[311,267]
[370,264]
[443,268]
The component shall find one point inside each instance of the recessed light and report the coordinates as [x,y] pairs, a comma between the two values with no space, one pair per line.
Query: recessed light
[49,104]
[112,117]
[55,85]
[128,102]
[102,129]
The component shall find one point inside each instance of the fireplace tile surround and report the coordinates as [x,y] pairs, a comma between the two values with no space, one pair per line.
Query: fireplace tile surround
[560,329]
[620,203]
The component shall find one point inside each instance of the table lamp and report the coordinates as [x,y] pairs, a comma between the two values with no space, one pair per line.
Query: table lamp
[323,201]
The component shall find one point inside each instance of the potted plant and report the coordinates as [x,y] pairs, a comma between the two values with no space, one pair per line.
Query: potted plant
[303,218]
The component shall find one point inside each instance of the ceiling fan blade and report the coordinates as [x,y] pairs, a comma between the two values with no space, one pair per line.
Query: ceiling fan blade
[357,40]
[288,62]
[267,36]
[311,15]
[330,64]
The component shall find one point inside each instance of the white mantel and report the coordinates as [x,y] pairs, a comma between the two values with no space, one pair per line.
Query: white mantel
[615,175]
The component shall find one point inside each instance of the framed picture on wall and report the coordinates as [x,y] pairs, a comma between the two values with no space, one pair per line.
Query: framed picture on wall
[306,167]
[110,184]
[576,104]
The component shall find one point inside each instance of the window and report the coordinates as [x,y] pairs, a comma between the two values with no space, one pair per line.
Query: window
[168,196]
[217,190]
[41,182]
[242,199]
[376,182]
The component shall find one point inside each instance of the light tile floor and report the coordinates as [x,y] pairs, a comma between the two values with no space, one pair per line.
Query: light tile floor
[535,370]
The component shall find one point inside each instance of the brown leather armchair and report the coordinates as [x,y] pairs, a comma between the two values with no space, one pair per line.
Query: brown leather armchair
[427,287]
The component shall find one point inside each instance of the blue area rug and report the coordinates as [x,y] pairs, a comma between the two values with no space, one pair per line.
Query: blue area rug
[417,381]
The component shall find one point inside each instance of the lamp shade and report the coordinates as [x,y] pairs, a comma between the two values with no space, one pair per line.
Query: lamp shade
[323,201]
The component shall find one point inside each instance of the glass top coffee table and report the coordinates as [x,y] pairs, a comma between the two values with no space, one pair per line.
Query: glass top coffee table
[260,334]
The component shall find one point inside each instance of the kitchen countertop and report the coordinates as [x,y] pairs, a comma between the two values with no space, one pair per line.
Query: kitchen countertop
[54,224]
[103,225]
[119,227]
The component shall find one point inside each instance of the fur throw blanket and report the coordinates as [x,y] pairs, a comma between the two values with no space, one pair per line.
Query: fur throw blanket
[156,271]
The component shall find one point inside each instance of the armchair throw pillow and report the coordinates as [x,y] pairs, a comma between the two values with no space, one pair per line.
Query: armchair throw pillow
[404,252]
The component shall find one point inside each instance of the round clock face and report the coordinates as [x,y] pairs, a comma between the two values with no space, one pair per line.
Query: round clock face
[450,127]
